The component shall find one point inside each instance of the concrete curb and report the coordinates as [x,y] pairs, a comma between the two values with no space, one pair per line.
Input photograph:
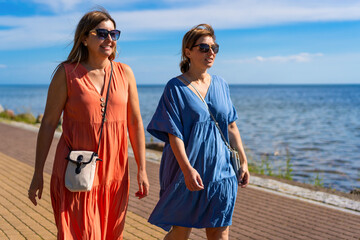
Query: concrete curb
[341,203]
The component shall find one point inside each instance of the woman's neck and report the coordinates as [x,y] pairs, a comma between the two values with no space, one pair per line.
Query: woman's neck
[198,76]
[96,64]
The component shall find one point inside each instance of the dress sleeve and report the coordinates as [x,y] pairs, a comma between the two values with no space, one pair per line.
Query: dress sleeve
[167,118]
[232,117]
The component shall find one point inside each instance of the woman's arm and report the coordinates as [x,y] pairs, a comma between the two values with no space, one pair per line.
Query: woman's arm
[136,133]
[192,177]
[235,142]
[55,103]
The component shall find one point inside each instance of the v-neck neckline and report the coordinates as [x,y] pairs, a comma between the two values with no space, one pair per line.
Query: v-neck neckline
[188,87]
[106,80]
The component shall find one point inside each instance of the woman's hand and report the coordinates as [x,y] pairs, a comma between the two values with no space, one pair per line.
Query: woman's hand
[245,175]
[236,143]
[36,188]
[143,184]
[193,180]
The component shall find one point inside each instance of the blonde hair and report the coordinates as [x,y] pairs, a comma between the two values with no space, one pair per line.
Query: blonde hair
[189,41]
[89,21]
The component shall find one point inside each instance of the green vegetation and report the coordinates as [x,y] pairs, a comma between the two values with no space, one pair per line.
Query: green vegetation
[285,171]
[27,117]
[6,115]
[288,166]
[318,181]
[264,166]
[22,117]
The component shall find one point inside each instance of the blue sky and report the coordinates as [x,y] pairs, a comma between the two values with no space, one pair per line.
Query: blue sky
[261,41]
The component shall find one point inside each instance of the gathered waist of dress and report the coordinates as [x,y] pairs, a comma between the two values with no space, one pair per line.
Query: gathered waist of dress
[107,122]
[86,136]
[206,122]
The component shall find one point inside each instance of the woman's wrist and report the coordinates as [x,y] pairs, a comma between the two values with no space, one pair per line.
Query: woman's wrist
[187,170]
[142,169]
[244,163]
[39,172]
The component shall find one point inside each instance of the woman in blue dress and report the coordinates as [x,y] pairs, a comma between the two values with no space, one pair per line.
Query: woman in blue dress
[198,183]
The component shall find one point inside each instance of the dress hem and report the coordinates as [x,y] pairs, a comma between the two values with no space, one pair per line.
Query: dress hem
[167,226]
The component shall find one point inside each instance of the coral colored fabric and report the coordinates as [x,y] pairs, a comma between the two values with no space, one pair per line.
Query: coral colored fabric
[100,213]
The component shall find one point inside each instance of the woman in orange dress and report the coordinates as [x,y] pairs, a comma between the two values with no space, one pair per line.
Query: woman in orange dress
[78,90]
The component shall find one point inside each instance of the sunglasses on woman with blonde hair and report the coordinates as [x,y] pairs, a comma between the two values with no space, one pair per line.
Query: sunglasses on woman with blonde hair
[103,34]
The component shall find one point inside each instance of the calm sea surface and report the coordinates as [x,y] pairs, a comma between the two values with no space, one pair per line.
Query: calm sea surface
[317,126]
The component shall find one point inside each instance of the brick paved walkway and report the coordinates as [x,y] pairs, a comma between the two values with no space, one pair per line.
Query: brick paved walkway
[258,214]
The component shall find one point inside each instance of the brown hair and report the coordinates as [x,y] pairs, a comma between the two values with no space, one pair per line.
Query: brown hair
[189,41]
[88,22]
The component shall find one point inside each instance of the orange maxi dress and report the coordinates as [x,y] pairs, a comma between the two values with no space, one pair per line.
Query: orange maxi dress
[100,213]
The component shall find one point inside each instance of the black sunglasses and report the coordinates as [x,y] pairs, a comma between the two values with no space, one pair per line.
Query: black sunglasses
[103,34]
[204,47]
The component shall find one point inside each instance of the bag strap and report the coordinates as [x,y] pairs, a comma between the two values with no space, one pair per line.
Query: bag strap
[212,116]
[106,101]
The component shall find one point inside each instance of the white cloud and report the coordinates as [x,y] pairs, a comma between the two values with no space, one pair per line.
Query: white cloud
[59,5]
[247,7]
[3,66]
[238,14]
[300,58]
[37,32]
[43,31]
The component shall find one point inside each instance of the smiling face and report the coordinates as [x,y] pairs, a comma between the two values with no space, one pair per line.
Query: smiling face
[198,59]
[97,47]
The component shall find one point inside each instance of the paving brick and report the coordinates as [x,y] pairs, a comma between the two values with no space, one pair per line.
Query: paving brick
[130,236]
[15,235]
[32,235]
[3,235]
[5,225]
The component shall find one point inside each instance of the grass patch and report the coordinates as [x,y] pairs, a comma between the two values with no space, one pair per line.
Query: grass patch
[318,181]
[264,166]
[26,118]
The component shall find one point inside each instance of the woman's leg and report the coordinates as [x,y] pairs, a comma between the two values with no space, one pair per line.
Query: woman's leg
[178,233]
[217,233]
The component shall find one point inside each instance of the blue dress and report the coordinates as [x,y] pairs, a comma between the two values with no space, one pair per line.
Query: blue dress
[182,113]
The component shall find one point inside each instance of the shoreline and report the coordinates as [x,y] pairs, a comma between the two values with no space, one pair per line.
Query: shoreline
[302,191]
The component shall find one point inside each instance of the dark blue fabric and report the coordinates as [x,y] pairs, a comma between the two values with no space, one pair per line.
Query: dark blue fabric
[182,113]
